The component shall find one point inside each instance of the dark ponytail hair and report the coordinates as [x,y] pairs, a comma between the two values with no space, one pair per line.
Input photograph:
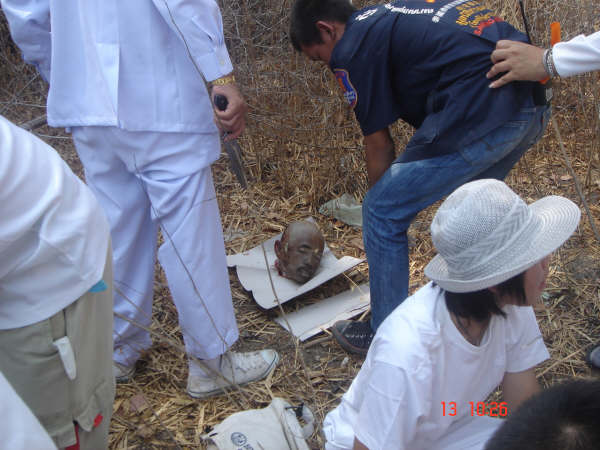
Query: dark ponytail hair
[481,305]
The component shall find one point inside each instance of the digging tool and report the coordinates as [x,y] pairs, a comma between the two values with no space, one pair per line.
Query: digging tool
[232,147]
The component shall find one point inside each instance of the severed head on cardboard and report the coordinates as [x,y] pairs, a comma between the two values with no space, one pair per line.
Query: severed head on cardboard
[299,251]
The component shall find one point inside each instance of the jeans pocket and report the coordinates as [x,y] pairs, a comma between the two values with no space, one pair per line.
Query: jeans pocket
[492,147]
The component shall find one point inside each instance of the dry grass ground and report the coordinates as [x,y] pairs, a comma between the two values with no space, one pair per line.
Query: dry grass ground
[302,148]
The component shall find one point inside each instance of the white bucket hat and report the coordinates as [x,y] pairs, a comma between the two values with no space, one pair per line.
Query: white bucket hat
[485,234]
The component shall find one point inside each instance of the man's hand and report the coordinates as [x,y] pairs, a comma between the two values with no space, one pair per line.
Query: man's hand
[379,151]
[359,445]
[233,119]
[520,61]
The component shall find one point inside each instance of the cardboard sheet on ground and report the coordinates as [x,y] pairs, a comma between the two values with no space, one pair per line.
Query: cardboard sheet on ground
[254,274]
[314,318]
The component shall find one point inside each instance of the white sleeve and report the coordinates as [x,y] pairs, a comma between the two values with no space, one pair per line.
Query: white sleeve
[200,26]
[19,428]
[393,404]
[579,55]
[525,346]
[29,23]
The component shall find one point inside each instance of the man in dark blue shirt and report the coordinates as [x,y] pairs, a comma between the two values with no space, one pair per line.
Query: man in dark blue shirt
[424,62]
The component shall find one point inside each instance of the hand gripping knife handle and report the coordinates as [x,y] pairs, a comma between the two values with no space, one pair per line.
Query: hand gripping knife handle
[232,147]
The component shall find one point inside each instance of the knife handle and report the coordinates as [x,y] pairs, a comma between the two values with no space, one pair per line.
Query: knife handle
[221,102]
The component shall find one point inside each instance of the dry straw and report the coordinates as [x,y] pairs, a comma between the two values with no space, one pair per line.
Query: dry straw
[303,147]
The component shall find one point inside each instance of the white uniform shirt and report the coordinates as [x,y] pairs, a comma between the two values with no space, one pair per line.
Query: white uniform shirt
[19,428]
[579,55]
[124,63]
[53,235]
[417,360]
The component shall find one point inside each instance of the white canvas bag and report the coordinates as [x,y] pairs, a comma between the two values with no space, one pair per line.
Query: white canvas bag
[275,427]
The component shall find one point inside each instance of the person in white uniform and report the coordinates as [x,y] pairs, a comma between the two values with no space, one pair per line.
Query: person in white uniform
[435,360]
[520,61]
[126,77]
[55,293]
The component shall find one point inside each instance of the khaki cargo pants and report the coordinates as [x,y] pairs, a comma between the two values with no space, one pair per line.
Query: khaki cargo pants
[33,365]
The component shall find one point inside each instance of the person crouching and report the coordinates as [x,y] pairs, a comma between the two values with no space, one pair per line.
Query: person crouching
[435,360]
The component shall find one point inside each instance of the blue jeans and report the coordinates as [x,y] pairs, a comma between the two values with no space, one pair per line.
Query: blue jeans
[405,189]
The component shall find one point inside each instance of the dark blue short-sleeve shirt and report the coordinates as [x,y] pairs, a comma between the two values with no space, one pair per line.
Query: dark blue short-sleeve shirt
[425,63]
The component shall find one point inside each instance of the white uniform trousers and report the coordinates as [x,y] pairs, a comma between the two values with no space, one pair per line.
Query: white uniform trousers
[147,180]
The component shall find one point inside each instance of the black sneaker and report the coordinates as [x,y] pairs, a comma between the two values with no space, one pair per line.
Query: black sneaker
[354,337]
[593,356]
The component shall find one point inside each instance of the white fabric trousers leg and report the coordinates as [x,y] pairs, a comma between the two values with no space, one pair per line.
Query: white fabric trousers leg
[147,180]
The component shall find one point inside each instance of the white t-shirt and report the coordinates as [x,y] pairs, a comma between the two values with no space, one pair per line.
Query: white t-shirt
[579,55]
[53,235]
[19,428]
[417,360]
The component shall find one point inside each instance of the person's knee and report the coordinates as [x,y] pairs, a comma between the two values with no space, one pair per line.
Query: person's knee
[379,225]
[366,214]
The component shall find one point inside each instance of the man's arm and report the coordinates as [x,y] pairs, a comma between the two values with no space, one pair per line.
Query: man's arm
[579,55]
[359,445]
[518,387]
[519,61]
[29,23]
[379,152]
[199,25]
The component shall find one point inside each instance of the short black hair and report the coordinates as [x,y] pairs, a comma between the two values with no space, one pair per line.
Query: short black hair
[563,417]
[481,305]
[306,14]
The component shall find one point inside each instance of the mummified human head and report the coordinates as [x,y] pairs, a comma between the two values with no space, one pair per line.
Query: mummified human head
[299,251]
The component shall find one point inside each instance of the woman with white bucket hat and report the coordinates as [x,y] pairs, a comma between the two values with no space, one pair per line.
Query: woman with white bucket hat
[436,359]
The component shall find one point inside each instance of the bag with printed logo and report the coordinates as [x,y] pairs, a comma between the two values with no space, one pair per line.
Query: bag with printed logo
[273,427]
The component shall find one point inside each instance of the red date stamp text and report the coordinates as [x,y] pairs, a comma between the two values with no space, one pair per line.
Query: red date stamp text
[492,409]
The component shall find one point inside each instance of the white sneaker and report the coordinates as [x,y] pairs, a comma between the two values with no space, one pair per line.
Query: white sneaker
[236,368]
[122,373]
